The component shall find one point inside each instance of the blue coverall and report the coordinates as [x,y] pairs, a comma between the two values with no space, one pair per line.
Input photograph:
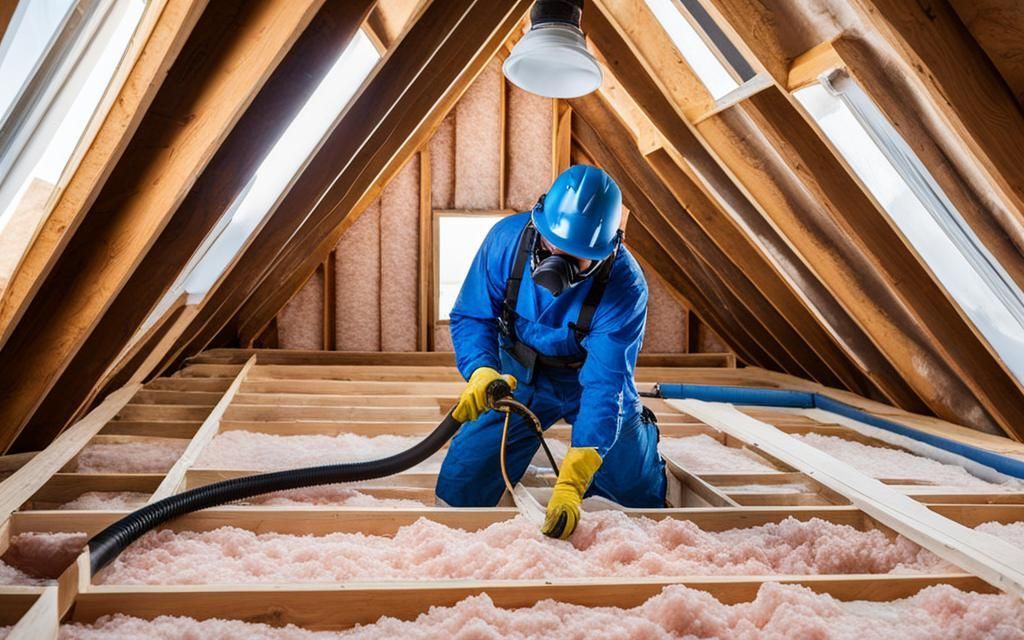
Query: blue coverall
[600,399]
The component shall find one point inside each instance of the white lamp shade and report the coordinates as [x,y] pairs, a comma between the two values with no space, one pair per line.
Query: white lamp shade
[552,60]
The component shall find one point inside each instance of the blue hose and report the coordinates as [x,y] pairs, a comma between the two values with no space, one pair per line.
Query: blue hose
[810,400]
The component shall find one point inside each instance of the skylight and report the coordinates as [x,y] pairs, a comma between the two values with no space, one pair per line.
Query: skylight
[911,198]
[56,67]
[698,54]
[278,169]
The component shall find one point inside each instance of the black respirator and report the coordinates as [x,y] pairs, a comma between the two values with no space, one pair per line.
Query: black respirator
[558,272]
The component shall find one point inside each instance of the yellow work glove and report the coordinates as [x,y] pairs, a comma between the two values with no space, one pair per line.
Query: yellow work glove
[473,400]
[578,468]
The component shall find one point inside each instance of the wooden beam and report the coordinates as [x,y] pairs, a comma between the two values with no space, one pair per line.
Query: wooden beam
[825,249]
[162,32]
[786,345]
[808,66]
[698,283]
[636,23]
[561,134]
[997,230]
[645,83]
[734,243]
[388,20]
[998,27]
[947,64]
[454,41]
[996,561]
[330,302]
[831,184]
[425,264]
[207,193]
[475,45]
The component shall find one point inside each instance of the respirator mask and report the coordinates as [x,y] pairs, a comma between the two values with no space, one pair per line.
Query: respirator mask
[557,273]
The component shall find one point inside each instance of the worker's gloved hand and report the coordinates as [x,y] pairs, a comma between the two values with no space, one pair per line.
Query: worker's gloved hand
[473,400]
[578,468]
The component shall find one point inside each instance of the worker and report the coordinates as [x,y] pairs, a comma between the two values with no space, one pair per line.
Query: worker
[554,304]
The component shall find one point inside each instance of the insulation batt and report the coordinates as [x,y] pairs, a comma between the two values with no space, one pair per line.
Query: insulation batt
[704,454]
[156,456]
[778,612]
[883,462]
[266,452]
[41,554]
[106,500]
[608,543]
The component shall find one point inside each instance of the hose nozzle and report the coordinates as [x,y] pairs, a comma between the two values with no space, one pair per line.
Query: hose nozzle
[497,390]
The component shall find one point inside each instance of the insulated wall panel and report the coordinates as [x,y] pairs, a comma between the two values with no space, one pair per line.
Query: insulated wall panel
[300,325]
[399,259]
[478,132]
[442,165]
[357,284]
[666,318]
[530,121]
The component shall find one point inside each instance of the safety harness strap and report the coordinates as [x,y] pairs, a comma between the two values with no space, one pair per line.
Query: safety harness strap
[526,355]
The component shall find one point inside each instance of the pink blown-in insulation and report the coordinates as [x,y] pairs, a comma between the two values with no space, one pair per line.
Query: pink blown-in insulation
[265,452]
[779,612]
[35,557]
[155,456]
[704,454]
[883,462]
[606,544]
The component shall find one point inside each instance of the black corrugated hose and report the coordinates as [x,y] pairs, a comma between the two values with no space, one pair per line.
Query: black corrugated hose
[105,546]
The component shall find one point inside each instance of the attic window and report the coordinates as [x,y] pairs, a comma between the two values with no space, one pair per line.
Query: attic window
[458,236]
[281,165]
[56,62]
[708,63]
[921,211]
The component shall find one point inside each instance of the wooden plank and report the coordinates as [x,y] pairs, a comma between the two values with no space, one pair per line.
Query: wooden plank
[20,486]
[317,607]
[998,27]
[808,66]
[308,520]
[175,478]
[635,22]
[994,560]
[454,41]
[270,67]
[159,37]
[425,264]
[65,487]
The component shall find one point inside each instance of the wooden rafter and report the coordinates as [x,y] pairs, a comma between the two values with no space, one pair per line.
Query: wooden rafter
[645,82]
[214,189]
[162,32]
[773,331]
[454,42]
[707,293]
[833,186]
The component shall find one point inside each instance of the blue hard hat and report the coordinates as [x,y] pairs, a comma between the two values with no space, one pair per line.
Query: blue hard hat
[581,212]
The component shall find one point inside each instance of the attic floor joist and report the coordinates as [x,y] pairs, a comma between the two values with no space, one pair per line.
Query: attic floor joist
[217,390]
